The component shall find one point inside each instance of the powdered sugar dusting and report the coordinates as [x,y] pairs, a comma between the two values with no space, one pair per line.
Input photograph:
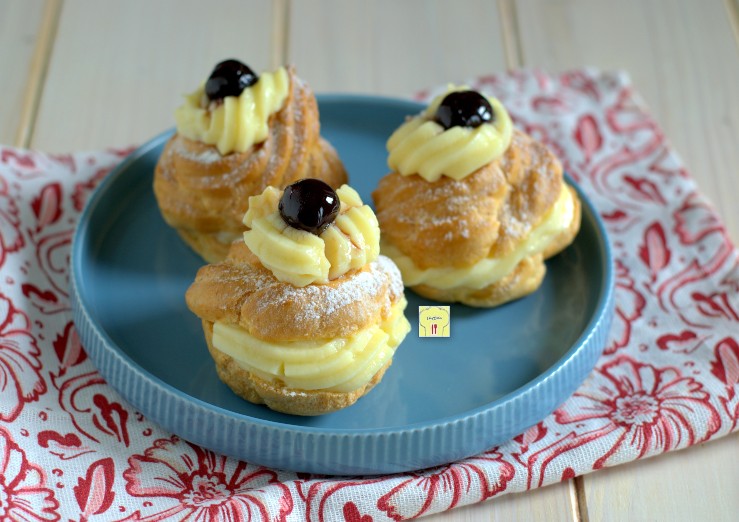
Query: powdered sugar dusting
[260,279]
[441,206]
[208,156]
[390,269]
[325,300]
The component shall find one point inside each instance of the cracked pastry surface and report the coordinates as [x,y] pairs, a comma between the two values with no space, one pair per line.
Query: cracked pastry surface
[305,349]
[219,157]
[480,239]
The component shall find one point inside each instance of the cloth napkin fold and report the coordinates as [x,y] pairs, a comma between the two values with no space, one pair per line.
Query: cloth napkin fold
[72,448]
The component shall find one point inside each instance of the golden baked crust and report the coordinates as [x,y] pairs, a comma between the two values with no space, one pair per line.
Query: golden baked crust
[486,214]
[534,176]
[458,223]
[277,396]
[240,291]
[204,195]
[429,220]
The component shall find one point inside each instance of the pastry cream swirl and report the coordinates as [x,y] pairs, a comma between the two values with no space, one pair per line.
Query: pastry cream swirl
[239,121]
[343,364]
[301,258]
[422,146]
[490,269]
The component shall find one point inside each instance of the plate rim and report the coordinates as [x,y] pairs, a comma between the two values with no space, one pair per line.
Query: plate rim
[599,320]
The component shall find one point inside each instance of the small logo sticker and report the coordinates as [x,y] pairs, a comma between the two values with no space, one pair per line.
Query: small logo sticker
[434,321]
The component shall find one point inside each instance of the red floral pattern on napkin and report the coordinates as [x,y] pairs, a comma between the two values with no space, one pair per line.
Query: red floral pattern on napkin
[71,448]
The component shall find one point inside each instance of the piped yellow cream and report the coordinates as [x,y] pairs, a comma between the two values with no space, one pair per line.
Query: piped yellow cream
[301,258]
[237,122]
[422,146]
[342,364]
[490,269]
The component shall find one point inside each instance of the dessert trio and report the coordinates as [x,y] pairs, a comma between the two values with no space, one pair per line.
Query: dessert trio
[302,300]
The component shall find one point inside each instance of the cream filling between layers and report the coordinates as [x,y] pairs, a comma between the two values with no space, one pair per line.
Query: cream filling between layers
[342,365]
[238,122]
[490,269]
[422,146]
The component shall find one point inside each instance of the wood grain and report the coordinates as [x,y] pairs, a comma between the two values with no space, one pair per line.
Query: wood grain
[20,23]
[280,30]
[509,33]
[119,68]
[699,483]
[547,503]
[397,48]
[683,59]
[393,48]
[37,73]
[732,7]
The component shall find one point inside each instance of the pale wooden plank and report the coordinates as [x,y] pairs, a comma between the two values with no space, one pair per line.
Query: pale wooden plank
[280,28]
[37,72]
[699,483]
[732,7]
[19,26]
[509,33]
[119,68]
[393,48]
[551,503]
[683,60]
[397,48]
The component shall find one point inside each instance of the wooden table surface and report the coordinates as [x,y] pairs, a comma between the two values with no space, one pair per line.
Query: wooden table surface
[86,74]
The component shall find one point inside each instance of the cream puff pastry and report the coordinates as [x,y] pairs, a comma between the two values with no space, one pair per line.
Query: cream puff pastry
[303,315]
[237,134]
[472,207]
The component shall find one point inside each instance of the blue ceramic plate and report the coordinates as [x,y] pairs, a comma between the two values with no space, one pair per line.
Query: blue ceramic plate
[501,371]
